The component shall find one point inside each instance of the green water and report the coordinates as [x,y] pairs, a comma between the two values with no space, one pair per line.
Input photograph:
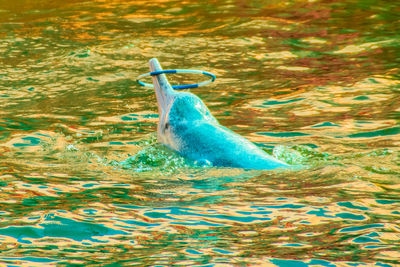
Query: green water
[84,182]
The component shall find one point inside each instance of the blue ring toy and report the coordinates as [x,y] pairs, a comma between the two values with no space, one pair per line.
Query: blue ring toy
[179,87]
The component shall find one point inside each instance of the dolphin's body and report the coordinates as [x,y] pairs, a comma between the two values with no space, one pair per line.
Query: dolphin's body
[187,126]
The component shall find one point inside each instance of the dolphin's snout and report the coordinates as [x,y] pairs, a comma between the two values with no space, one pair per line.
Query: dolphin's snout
[162,87]
[154,65]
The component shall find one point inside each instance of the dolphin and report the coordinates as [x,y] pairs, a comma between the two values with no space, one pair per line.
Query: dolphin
[187,126]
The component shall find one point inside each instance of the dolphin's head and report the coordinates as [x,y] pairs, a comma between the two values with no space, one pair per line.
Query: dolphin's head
[187,107]
[175,108]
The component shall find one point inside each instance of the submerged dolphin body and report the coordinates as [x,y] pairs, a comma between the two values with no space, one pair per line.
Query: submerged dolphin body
[187,126]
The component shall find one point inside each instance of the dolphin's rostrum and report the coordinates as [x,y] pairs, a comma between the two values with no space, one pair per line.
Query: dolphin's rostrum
[187,126]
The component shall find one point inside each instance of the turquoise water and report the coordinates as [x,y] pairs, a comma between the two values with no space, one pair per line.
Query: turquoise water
[84,182]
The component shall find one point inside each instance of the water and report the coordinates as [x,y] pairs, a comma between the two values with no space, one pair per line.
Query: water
[83,181]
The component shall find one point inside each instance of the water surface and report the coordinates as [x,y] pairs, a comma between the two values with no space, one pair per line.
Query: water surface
[84,182]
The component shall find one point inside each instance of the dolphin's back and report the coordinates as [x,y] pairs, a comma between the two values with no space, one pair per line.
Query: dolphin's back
[221,147]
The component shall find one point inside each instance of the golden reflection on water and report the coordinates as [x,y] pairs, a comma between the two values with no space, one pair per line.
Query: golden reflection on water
[311,78]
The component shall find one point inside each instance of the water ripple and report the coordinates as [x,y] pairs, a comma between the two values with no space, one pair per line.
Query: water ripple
[84,182]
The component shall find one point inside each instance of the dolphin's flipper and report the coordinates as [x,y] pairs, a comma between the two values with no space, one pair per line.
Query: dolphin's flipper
[203,163]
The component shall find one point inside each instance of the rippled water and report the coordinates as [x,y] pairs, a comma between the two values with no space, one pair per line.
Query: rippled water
[84,182]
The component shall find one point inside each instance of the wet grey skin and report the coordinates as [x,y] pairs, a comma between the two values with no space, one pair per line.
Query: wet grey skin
[187,126]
